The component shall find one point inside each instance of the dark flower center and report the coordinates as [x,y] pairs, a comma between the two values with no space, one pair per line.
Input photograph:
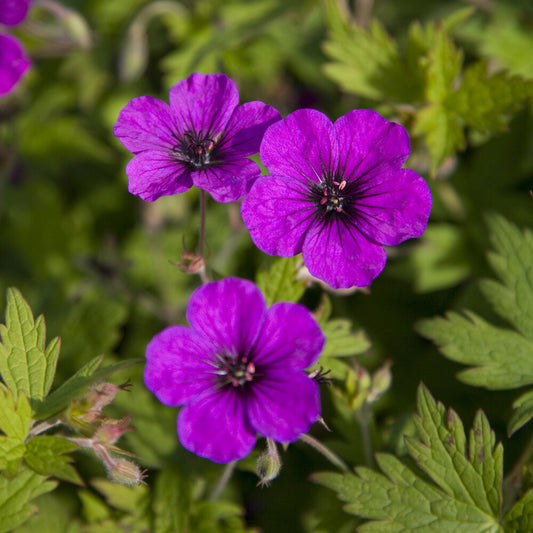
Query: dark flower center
[195,150]
[332,196]
[235,371]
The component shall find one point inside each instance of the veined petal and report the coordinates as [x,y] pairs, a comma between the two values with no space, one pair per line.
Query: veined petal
[277,214]
[13,63]
[284,406]
[216,427]
[394,207]
[337,253]
[153,174]
[13,12]
[146,123]
[246,127]
[204,102]
[367,142]
[229,313]
[227,181]
[290,339]
[179,366]
[302,146]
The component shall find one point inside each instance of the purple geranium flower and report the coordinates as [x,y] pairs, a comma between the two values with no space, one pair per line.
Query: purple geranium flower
[202,138]
[238,370]
[337,193]
[14,61]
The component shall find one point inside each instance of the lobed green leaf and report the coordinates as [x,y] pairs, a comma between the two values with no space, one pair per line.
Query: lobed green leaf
[464,493]
[25,364]
[279,284]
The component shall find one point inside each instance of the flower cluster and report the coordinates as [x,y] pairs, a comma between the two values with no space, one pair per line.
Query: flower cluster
[14,61]
[335,192]
[238,370]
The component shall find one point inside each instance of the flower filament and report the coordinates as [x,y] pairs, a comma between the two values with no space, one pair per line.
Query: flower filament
[331,195]
[195,149]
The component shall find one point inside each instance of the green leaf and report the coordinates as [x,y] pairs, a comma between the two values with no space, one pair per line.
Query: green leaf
[511,260]
[443,133]
[15,423]
[15,416]
[25,364]
[132,500]
[500,358]
[462,492]
[523,413]
[76,385]
[45,456]
[15,497]
[279,284]
[171,502]
[487,103]
[444,61]
[519,519]
[367,62]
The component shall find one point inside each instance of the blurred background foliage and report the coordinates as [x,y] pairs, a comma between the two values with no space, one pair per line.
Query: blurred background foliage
[102,264]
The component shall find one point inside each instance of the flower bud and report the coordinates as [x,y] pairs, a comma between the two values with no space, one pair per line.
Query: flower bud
[381,381]
[111,430]
[268,464]
[126,473]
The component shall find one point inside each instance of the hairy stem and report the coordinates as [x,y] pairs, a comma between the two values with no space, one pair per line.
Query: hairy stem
[223,481]
[363,418]
[201,236]
[333,458]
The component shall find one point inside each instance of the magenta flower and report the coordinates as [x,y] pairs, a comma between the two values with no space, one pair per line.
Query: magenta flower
[14,61]
[238,370]
[202,138]
[337,193]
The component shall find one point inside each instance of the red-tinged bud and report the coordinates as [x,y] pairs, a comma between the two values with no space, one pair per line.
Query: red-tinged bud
[111,430]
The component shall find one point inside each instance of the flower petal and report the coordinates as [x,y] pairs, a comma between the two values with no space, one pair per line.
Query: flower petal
[395,207]
[367,142]
[229,180]
[246,127]
[13,12]
[153,174]
[146,123]
[290,339]
[229,313]
[283,406]
[302,146]
[216,427]
[179,366]
[13,63]
[204,103]
[278,214]
[337,253]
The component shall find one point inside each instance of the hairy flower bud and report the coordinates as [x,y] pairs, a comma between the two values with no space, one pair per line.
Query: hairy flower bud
[268,464]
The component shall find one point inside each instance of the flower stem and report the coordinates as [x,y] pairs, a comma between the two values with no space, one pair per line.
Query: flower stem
[223,481]
[363,418]
[201,236]
[325,451]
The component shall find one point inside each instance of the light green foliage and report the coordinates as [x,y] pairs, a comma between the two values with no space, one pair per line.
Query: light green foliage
[464,494]
[500,358]
[218,517]
[15,495]
[427,74]
[26,364]
[520,518]
[75,385]
[45,454]
[279,284]
[171,502]
[341,340]
[15,423]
